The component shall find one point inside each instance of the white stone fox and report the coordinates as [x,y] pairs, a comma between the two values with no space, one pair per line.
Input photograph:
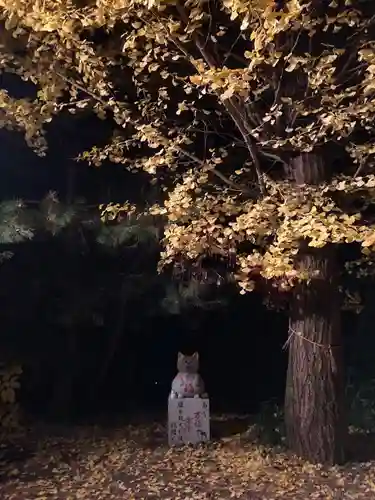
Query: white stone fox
[187,383]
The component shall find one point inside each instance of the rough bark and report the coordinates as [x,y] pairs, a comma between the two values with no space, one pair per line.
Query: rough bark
[314,400]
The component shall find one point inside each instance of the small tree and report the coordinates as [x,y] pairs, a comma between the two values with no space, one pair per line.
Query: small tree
[256,119]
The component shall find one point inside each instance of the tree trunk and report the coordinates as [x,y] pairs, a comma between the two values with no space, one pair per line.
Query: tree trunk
[61,402]
[314,400]
[114,341]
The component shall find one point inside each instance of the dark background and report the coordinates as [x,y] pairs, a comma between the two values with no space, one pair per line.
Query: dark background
[240,341]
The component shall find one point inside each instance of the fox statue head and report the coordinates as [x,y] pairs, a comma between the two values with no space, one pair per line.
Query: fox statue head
[188,364]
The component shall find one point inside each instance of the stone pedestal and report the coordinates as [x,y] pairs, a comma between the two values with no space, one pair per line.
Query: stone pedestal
[188,421]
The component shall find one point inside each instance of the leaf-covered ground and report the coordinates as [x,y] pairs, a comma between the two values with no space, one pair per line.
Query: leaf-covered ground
[134,462]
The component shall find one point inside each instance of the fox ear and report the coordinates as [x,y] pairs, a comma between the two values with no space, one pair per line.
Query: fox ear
[196,355]
[180,355]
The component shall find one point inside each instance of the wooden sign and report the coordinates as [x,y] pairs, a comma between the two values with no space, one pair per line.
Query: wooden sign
[188,421]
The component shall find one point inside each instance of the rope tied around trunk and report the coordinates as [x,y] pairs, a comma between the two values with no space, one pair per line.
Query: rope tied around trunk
[327,347]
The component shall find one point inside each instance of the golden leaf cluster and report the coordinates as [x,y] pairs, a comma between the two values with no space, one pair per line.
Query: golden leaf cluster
[166,73]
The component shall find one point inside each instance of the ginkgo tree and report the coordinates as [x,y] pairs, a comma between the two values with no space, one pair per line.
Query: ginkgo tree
[255,118]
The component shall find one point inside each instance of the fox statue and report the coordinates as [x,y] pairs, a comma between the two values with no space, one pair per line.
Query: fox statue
[187,383]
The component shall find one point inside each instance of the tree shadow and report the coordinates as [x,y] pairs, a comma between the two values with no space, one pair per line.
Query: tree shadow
[14,457]
[255,429]
[229,425]
[361,447]
[37,454]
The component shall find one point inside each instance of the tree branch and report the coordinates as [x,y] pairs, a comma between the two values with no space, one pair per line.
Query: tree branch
[230,103]
[224,178]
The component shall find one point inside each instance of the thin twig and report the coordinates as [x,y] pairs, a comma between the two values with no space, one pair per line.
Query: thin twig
[274,157]
[229,103]
[359,169]
[80,87]
[224,178]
